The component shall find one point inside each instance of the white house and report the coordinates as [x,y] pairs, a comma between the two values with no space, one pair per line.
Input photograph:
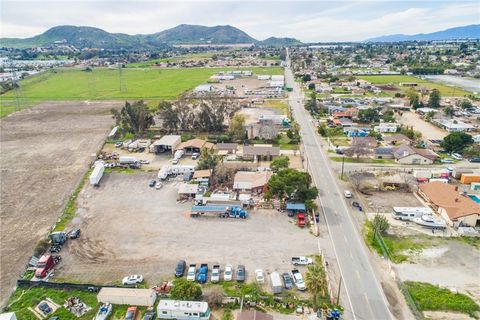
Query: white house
[453,125]
[386,127]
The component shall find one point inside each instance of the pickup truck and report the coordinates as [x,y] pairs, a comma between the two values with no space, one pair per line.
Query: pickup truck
[191,272]
[215,277]
[303,261]
[202,273]
[298,280]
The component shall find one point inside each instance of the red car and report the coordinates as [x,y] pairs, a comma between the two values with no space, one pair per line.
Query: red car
[301,220]
[131,313]
[45,264]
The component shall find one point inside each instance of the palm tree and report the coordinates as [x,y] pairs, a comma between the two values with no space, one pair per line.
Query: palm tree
[316,281]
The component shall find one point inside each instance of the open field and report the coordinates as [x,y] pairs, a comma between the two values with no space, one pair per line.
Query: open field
[128,228]
[104,84]
[44,152]
[190,56]
[397,79]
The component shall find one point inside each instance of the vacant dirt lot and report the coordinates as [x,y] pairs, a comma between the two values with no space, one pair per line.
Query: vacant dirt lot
[128,228]
[44,152]
[428,130]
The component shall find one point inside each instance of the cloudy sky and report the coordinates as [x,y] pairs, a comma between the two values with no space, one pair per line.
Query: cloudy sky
[308,21]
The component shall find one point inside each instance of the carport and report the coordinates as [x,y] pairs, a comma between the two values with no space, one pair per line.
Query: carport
[294,208]
[166,143]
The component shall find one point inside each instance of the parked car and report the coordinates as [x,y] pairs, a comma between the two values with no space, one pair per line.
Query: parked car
[175,161]
[241,273]
[457,156]
[228,274]
[475,160]
[133,279]
[180,269]
[195,155]
[75,233]
[215,277]
[45,308]
[447,160]
[202,276]
[191,272]
[152,183]
[159,186]
[149,315]
[287,280]
[301,261]
[298,280]
[131,313]
[259,276]
[118,144]
[357,205]
[144,161]
[347,194]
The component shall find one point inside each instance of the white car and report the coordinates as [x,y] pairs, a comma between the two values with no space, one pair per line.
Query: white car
[215,277]
[457,156]
[347,194]
[228,273]
[259,276]
[191,272]
[158,186]
[133,279]
[144,161]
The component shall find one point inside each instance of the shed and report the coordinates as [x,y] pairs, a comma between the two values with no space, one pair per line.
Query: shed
[166,143]
[127,296]
[188,189]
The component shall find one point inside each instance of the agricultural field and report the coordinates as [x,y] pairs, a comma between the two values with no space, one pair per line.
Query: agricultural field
[105,84]
[397,79]
[191,56]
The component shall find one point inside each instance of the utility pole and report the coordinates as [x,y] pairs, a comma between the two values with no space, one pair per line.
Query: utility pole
[343,166]
[339,287]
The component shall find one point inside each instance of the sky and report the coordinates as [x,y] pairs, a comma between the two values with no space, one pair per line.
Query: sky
[308,21]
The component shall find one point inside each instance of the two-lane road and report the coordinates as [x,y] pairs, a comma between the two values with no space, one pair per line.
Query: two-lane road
[365,298]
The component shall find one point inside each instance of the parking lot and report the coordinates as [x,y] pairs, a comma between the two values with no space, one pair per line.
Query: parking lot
[128,228]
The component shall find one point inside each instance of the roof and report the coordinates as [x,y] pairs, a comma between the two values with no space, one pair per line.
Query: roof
[187,188]
[383,150]
[405,150]
[250,180]
[295,206]
[261,151]
[253,315]
[195,143]
[191,306]
[447,197]
[396,137]
[8,316]
[126,292]
[168,140]
[202,173]
[227,146]
[368,140]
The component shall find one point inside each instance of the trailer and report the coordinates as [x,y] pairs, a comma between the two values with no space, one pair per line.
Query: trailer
[221,211]
[127,160]
[276,283]
[163,173]
[97,173]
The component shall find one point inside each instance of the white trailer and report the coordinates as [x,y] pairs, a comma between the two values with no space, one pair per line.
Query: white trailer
[179,169]
[183,310]
[276,283]
[422,174]
[127,160]
[97,173]
[163,173]
[409,213]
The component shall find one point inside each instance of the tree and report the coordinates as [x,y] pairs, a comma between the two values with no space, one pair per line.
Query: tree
[380,224]
[134,118]
[306,78]
[457,141]
[311,86]
[207,160]
[434,99]
[292,184]
[368,115]
[448,111]
[280,163]
[322,130]
[359,148]
[466,104]
[170,117]
[388,116]
[237,127]
[185,290]
[214,296]
[316,282]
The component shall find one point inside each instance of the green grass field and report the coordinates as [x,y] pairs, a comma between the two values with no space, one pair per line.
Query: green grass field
[104,84]
[397,79]
[191,56]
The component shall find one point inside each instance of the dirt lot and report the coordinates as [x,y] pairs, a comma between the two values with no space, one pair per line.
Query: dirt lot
[240,84]
[44,152]
[252,114]
[128,227]
[428,130]
[386,200]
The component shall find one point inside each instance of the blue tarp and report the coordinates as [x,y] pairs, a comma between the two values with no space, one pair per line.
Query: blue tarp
[295,206]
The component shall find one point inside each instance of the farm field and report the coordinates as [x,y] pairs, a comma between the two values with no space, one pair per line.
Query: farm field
[397,79]
[104,84]
[191,56]
[44,152]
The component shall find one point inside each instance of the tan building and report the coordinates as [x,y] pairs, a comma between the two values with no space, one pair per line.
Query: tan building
[456,209]
[405,154]
[194,146]
[255,182]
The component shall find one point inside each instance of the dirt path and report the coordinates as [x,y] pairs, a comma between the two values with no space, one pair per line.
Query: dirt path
[44,152]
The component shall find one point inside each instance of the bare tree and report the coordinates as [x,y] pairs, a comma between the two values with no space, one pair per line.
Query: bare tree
[359,148]
[267,132]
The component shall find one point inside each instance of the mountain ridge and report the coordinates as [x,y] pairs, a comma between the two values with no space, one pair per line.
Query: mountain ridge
[463,32]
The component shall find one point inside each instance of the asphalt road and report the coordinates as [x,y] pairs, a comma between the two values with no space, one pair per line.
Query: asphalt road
[365,298]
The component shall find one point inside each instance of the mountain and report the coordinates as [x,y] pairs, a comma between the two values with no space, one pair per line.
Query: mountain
[194,34]
[279,42]
[465,32]
[80,37]
[89,37]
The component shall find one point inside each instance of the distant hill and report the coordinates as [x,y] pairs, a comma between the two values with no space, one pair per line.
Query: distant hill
[465,32]
[90,37]
[80,37]
[193,34]
[279,42]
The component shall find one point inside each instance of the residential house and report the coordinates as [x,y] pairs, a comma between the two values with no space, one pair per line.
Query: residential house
[369,142]
[260,152]
[406,154]
[383,153]
[456,209]
[202,176]
[349,113]
[251,181]
[385,127]
[397,139]
[194,146]
[452,125]
[226,148]
[342,122]
[355,132]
